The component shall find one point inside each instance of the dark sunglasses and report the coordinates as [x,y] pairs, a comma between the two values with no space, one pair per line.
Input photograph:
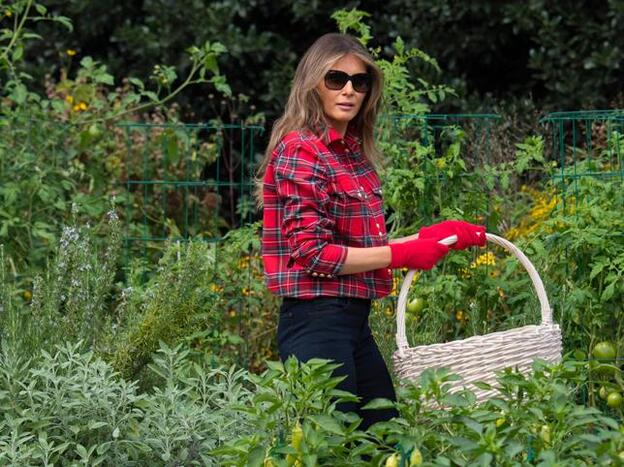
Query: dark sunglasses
[336,80]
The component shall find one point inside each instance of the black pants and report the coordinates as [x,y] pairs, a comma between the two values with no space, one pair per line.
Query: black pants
[337,329]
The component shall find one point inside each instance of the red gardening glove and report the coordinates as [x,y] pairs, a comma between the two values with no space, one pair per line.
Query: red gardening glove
[467,234]
[420,253]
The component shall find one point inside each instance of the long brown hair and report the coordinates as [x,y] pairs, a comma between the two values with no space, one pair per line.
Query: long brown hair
[304,109]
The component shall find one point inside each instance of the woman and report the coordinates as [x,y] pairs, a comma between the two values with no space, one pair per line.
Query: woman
[324,243]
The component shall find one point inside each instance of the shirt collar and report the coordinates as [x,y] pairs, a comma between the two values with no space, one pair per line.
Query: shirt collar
[350,138]
[329,135]
[333,135]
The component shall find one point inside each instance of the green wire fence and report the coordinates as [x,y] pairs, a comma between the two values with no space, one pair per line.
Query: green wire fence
[593,136]
[186,181]
[588,147]
[451,138]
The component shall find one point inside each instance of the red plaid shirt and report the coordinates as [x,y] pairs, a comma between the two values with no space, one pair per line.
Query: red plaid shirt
[320,198]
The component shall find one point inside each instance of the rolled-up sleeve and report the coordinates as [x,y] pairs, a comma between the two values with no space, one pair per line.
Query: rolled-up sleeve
[301,184]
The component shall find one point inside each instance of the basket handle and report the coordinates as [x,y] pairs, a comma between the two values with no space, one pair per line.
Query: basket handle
[401,338]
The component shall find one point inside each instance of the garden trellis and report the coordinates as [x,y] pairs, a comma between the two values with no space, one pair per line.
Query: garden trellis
[186,181]
[588,147]
[594,136]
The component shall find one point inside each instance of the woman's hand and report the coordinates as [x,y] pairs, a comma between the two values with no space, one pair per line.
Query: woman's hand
[467,234]
[421,253]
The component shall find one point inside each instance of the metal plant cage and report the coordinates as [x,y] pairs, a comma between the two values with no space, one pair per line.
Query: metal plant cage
[587,145]
[185,181]
[473,136]
[478,139]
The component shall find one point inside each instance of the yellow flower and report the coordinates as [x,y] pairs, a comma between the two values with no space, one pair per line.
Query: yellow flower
[395,285]
[71,52]
[465,272]
[486,258]
[246,292]
[69,99]
[215,288]
[543,205]
[232,313]
[460,316]
[8,13]
[83,106]
[76,108]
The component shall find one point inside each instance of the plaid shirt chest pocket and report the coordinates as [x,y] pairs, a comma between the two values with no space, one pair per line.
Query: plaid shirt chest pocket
[354,207]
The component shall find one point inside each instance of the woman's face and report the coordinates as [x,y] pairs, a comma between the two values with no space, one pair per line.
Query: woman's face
[342,106]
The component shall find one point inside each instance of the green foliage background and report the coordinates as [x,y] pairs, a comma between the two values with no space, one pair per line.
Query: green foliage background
[560,54]
[135,364]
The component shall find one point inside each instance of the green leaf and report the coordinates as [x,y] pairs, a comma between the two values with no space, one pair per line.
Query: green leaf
[472,424]
[217,47]
[276,366]
[82,452]
[151,96]
[379,403]
[256,457]
[513,448]
[597,269]
[65,21]
[137,82]
[105,78]
[221,85]
[94,425]
[482,385]
[464,444]
[86,62]
[608,292]
[328,424]
[18,53]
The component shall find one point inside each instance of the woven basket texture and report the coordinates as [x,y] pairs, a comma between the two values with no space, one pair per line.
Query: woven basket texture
[479,358]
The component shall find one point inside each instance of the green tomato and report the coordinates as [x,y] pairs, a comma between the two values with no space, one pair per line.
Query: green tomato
[604,351]
[416,305]
[94,130]
[614,399]
[603,393]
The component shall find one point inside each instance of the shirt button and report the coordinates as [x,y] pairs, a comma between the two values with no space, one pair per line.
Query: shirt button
[389,271]
[377,224]
[380,234]
[314,274]
[321,275]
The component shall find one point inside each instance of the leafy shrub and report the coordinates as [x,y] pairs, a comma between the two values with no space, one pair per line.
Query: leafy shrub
[72,299]
[179,301]
[63,148]
[66,406]
[535,420]
[71,408]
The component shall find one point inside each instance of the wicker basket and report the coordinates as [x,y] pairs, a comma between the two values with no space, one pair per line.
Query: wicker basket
[478,358]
